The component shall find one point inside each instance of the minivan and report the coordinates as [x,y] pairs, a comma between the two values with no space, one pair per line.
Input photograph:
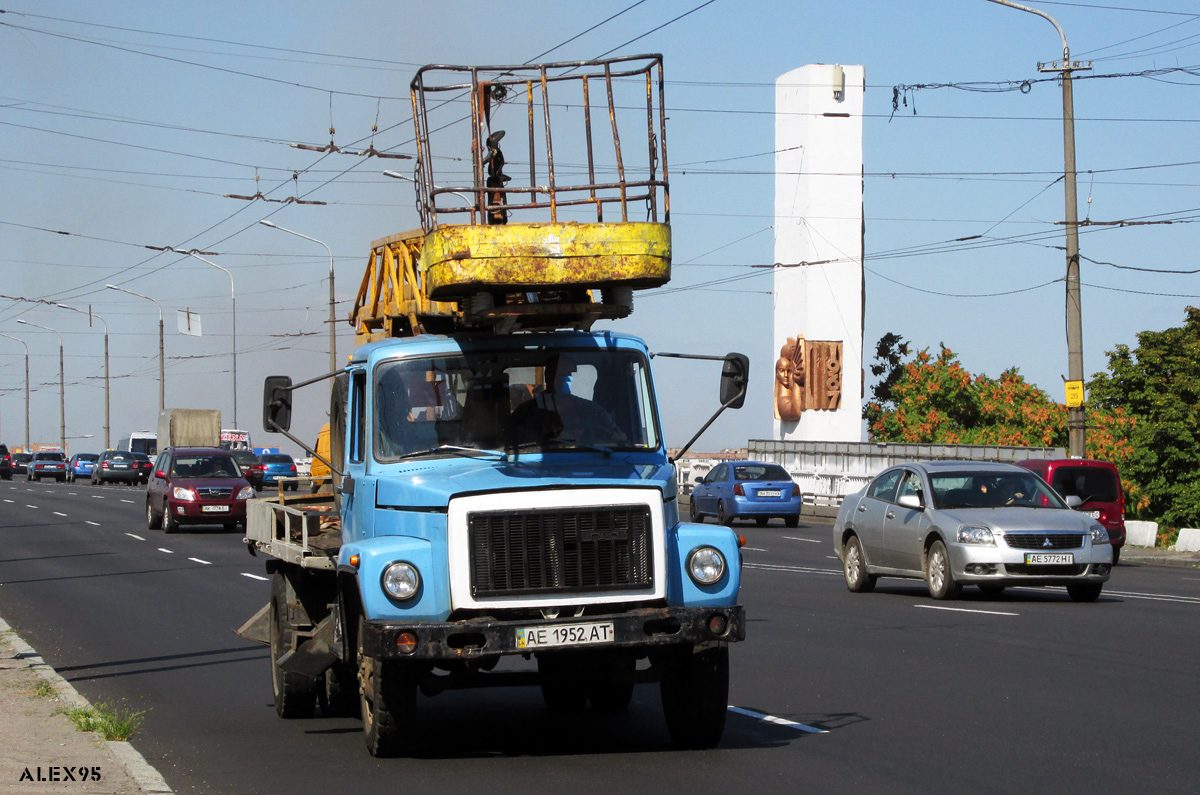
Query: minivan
[1096,485]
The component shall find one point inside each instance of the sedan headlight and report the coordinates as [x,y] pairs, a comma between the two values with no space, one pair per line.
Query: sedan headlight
[401,580]
[968,534]
[1099,534]
[185,495]
[247,493]
[706,565]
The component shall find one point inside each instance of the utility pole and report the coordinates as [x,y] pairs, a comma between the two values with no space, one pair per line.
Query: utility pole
[1076,415]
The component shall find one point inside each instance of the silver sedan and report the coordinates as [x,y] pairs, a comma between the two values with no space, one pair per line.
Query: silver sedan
[955,523]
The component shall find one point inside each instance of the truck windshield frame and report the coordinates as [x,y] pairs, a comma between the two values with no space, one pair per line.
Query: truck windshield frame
[540,400]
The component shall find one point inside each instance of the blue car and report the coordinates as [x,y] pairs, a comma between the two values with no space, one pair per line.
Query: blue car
[747,490]
[81,465]
[276,466]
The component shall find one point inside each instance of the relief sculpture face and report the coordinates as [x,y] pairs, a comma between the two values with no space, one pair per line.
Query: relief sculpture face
[808,375]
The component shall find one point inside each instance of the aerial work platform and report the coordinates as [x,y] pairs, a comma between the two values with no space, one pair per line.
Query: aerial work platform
[554,247]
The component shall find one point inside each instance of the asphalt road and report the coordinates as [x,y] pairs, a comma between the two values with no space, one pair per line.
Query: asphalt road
[888,692]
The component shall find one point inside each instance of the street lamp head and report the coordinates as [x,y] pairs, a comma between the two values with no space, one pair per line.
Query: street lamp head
[265,222]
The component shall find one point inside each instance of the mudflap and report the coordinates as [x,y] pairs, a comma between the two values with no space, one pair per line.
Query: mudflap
[258,628]
[314,651]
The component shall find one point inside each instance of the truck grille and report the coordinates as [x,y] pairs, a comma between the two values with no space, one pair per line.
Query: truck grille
[1038,540]
[560,551]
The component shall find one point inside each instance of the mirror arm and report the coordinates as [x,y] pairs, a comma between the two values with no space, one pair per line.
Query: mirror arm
[711,420]
[308,449]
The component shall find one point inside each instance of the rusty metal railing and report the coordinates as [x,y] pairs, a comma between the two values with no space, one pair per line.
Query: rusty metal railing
[566,164]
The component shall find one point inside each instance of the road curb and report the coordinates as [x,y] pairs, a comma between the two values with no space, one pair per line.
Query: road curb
[124,754]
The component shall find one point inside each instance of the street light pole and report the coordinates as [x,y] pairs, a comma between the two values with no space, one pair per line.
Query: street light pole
[233,302]
[91,314]
[1076,416]
[62,392]
[332,314]
[18,339]
[162,384]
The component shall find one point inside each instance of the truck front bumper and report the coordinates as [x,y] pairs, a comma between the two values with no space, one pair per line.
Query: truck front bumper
[651,627]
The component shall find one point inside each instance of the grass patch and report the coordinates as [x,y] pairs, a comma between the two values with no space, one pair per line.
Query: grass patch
[44,689]
[112,724]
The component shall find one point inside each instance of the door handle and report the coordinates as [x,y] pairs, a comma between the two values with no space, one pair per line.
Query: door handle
[862,509]
[891,514]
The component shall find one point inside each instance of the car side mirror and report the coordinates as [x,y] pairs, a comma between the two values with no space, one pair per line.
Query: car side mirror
[277,403]
[1073,501]
[911,501]
[158,473]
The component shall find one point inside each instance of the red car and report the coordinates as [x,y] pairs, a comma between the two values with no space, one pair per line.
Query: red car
[201,485]
[1090,486]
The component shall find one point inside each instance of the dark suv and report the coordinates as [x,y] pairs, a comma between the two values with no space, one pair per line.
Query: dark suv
[5,463]
[196,485]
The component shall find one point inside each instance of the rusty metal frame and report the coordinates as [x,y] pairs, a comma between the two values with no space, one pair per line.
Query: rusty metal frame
[537,83]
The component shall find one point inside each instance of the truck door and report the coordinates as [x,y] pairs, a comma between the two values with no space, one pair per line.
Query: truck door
[358,501]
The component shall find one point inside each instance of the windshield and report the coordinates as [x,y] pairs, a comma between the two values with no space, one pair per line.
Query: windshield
[527,400]
[991,490]
[204,466]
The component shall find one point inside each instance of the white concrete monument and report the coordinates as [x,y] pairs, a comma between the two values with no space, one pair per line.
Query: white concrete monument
[819,253]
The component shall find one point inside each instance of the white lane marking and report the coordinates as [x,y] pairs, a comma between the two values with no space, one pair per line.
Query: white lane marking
[58,513]
[97,496]
[753,549]
[128,501]
[9,501]
[809,540]
[967,610]
[254,576]
[93,524]
[1156,597]
[793,569]
[131,535]
[31,506]
[197,560]
[778,721]
[168,551]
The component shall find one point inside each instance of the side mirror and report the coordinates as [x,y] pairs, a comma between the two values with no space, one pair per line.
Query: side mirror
[735,375]
[277,403]
[1073,501]
[158,473]
[911,501]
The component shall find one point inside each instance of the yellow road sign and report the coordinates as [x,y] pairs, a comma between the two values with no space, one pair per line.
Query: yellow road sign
[1074,394]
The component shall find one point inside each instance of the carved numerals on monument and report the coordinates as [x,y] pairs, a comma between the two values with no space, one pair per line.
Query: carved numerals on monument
[808,375]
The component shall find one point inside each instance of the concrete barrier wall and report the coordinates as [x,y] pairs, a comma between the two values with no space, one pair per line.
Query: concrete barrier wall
[1189,540]
[1140,534]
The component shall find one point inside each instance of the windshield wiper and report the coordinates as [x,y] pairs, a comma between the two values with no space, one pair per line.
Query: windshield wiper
[454,449]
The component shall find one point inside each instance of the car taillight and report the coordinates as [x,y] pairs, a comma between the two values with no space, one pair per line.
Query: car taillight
[739,491]
[293,467]
[104,465]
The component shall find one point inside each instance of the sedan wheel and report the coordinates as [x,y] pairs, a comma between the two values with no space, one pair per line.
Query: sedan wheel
[1085,591]
[693,512]
[722,517]
[938,574]
[855,568]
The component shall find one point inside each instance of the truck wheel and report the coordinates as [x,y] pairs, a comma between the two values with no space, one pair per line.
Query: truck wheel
[388,697]
[563,689]
[294,695]
[616,691]
[695,698]
[337,694]
[153,520]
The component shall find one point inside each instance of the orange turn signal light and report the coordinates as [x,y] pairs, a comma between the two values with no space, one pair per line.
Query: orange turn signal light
[406,643]
[354,561]
[741,541]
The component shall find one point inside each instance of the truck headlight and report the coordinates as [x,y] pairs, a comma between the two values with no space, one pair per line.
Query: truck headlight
[1099,534]
[401,580]
[182,494]
[706,565]
[968,534]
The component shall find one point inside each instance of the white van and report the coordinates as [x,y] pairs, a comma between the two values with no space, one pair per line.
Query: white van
[140,442]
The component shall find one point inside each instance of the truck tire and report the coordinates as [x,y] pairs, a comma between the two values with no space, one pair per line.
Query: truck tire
[337,694]
[695,698]
[614,690]
[388,696]
[295,696]
[338,396]
[563,688]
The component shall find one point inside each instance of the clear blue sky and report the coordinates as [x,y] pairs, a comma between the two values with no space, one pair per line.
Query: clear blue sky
[125,123]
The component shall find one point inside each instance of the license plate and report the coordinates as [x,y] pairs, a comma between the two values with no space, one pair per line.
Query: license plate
[1049,558]
[214,509]
[770,493]
[1093,514]
[564,635]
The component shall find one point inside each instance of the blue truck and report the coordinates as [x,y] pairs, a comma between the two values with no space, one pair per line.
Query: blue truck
[503,508]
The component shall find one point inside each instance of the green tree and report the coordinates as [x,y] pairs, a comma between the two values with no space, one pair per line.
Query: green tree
[1157,385]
